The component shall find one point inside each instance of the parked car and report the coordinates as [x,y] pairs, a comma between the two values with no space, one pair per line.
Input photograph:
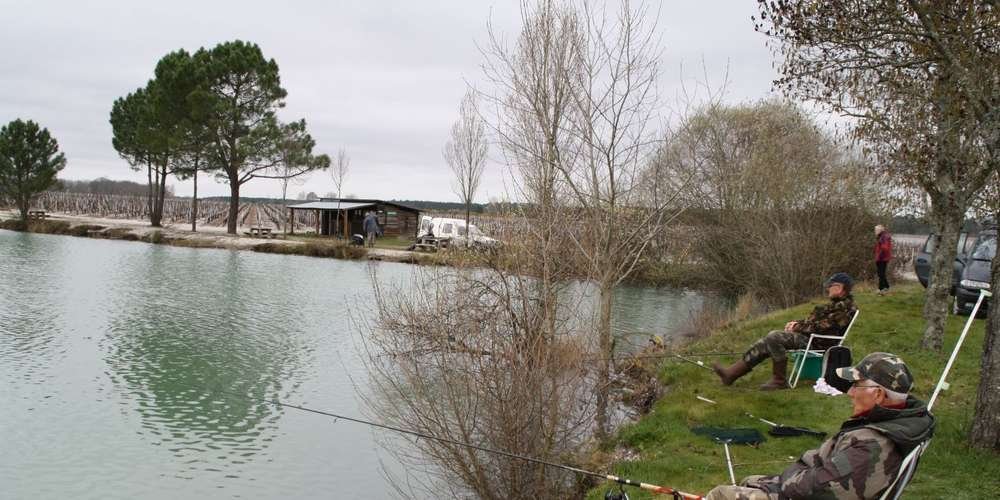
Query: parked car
[442,232]
[922,262]
[971,269]
[975,274]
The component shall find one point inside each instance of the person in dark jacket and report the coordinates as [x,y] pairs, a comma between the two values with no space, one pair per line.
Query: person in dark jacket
[862,460]
[883,254]
[827,319]
[370,225]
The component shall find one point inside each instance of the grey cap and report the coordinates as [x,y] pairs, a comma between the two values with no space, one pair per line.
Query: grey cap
[842,278]
[886,370]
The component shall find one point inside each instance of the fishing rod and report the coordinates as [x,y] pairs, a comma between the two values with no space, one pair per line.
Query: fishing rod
[677,494]
[776,428]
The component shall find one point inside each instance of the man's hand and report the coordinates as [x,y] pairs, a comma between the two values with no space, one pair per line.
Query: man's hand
[790,326]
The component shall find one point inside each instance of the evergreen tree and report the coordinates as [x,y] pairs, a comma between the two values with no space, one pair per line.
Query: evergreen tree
[29,162]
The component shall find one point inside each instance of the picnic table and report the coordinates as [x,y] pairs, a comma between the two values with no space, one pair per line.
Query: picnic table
[260,232]
[36,214]
[430,243]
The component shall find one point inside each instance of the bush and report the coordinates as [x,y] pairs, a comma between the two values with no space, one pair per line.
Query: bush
[775,204]
[13,225]
[314,249]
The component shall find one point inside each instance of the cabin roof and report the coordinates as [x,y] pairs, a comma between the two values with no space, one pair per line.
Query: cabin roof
[333,205]
[347,204]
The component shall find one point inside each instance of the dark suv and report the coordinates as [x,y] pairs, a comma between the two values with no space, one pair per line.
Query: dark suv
[975,273]
[971,267]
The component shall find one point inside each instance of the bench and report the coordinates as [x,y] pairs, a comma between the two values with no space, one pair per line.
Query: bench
[36,214]
[260,232]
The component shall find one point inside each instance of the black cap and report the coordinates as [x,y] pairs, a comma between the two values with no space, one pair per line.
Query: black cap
[842,278]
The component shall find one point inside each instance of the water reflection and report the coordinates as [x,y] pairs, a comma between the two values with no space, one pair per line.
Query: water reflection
[638,312]
[112,355]
[29,339]
[179,347]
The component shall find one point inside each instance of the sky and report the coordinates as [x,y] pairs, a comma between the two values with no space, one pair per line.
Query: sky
[382,79]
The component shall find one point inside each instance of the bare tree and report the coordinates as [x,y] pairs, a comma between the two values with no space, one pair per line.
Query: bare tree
[921,79]
[466,152]
[460,354]
[576,100]
[765,219]
[533,99]
[614,129]
[339,174]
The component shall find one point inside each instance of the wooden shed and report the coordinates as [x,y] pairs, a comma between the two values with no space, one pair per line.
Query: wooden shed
[346,216]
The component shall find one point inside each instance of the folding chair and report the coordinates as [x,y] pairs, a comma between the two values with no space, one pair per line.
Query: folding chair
[906,469]
[801,362]
[909,464]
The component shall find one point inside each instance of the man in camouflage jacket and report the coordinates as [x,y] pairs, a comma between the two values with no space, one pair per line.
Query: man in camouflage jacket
[826,319]
[862,460]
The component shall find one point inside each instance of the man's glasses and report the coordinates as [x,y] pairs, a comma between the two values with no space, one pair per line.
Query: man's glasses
[860,386]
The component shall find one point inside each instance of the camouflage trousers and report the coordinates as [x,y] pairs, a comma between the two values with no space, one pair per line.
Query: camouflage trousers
[751,488]
[774,345]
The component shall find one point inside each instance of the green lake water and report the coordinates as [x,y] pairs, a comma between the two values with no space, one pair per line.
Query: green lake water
[119,362]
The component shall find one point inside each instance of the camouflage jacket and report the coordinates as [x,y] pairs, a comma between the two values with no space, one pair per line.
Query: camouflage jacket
[828,319]
[862,459]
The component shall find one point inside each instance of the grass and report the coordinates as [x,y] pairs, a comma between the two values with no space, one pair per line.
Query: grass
[670,455]
[314,249]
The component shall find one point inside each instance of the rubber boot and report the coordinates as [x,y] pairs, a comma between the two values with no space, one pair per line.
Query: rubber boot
[778,381]
[729,375]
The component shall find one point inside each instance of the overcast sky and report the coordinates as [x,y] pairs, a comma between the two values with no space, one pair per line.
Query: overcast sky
[381,78]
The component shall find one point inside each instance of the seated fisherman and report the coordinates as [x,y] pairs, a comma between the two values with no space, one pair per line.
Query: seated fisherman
[862,460]
[827,319]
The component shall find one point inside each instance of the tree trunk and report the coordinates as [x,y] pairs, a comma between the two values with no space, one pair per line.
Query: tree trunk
[194,200]
[234,206]
[154,197]
[23,205]
[948,219]
[149,195]
[985,431]
[161,192]
[606,342]
[468,228]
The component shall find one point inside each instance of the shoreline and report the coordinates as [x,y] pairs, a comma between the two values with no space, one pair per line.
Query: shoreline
[205,237]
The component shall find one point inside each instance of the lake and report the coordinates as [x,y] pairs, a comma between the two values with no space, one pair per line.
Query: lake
[122,367]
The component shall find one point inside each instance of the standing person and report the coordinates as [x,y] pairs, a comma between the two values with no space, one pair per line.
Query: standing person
[862,460]
[883,254]
[371,229]
[826,319]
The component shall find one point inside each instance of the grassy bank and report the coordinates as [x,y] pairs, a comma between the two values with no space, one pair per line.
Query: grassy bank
[312,248]
[670,455]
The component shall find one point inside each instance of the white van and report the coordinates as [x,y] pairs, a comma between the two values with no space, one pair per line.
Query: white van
[442,231]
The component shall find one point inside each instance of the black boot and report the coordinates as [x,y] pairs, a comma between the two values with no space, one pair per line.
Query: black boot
[778,381]
[729,375]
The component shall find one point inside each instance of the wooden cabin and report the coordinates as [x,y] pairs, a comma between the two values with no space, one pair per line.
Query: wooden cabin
[346,216]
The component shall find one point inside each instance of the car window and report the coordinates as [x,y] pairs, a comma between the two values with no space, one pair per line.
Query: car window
[446,229]
[461,229]
[986,247]
[930,244]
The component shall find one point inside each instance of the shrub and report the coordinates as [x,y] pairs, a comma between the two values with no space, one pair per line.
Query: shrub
[775,204]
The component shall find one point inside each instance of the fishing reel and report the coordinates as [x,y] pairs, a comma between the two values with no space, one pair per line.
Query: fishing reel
[616,495]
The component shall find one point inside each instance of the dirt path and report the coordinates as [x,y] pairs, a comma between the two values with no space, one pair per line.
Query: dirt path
[207,236]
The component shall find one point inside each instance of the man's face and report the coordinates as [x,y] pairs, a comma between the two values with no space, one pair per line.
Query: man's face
[835,290]
[865,394]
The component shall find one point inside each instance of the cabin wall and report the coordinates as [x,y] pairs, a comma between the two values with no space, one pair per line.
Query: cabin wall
[396,221]
[393,220]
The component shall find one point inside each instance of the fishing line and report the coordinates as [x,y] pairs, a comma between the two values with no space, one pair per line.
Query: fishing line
[609,477]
